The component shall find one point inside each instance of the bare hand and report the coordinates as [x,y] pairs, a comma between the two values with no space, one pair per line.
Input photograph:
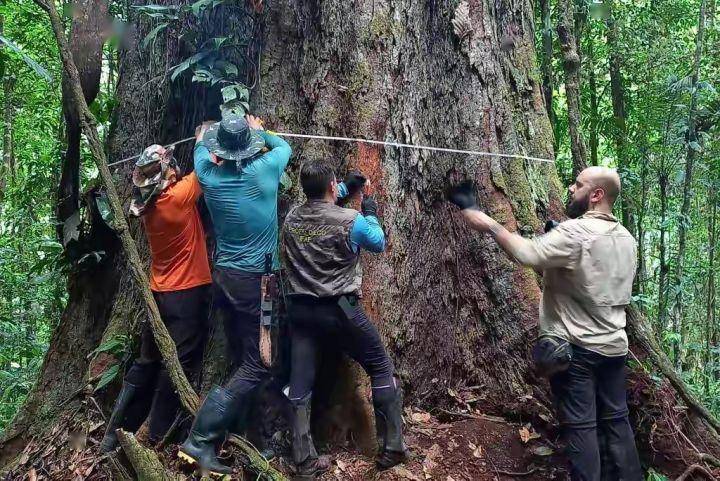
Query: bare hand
[254,123]
[478,220]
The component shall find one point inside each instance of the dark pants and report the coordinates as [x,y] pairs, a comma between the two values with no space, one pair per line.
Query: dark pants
[591,400]
[237,294]
[185,314]
[317,322]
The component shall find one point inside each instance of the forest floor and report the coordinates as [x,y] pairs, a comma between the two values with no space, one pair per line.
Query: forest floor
[471,447]
[477,448]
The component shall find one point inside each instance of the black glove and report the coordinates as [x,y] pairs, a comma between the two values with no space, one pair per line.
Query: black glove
[550,225]
[369,206]
[463,195]
[354,181]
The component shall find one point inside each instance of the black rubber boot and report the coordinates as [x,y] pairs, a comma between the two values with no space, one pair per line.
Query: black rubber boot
[308,465]
[210,426]
[130,410]
[388,409]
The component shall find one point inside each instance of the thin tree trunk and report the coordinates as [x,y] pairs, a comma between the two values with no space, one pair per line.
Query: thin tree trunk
[710,296]
[548,82]
[619,113]
[571,66]
[594,114]
[641,276]
[693,145]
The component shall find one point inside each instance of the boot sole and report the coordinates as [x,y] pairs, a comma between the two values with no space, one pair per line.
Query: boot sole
[193,462]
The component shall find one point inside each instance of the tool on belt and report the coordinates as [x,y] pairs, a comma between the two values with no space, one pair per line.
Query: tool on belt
[268,297]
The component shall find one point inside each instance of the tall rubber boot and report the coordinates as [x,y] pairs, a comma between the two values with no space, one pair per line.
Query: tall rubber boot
[210,426]
[307,464]
[388,413]
[130,410]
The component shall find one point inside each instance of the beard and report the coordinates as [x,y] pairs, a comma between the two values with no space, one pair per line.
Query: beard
[577,207]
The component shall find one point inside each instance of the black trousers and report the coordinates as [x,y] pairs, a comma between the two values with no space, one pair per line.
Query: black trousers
[185,314]
[237,294]
[591,400]
[316,322]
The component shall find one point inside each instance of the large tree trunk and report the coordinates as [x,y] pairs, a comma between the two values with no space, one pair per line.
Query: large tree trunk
[453,310]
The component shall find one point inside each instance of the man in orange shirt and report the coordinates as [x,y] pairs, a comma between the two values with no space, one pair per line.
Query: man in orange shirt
[180,281]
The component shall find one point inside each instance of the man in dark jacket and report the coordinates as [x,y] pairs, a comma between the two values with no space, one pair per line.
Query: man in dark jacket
[321,250]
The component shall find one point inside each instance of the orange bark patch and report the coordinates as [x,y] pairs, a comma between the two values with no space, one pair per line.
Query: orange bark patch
[369,162]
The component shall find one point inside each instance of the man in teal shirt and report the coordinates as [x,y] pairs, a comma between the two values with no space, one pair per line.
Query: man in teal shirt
[240,184]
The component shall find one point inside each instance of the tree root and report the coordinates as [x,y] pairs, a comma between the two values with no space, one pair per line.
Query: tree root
[695,468]
[255,462]
[644,337]
[144,461]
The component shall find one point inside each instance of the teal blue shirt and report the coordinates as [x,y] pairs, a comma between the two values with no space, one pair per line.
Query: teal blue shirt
[243,204]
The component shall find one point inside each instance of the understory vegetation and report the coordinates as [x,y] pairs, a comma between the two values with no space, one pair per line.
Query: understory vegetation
[648,105]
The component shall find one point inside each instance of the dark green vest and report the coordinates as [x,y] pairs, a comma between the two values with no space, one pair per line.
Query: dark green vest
[317,252]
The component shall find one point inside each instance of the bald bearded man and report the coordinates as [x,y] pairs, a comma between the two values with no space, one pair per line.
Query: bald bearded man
[588,266]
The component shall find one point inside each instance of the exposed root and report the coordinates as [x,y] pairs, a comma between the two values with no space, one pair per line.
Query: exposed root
[144,461]
[693,469]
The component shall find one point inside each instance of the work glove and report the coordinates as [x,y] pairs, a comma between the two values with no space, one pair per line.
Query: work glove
[369,206]
[463,195]
[550,225]
[354,181]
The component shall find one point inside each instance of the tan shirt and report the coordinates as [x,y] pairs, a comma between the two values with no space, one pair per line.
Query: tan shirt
[589,265]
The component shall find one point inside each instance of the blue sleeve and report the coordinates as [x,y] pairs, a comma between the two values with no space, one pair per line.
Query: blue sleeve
[342,190]
[279,154]
[202,160]
[367,233]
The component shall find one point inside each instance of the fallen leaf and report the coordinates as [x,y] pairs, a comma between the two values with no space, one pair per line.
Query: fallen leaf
[527,433]
[421,417]
[542,451]
[476,450]
[404,473]
[32,475]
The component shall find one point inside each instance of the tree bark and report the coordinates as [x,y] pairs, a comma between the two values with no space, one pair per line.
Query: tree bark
[87,36]
[693,146]
[571,66]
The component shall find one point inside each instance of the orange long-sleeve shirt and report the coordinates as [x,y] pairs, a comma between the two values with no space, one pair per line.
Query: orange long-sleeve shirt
[177,238]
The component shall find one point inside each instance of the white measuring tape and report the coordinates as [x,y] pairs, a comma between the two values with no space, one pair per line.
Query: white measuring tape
[373,142]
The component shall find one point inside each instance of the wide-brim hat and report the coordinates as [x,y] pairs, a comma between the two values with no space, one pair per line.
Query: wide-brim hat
[233,139]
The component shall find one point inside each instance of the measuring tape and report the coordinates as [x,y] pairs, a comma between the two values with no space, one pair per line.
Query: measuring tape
[372,142]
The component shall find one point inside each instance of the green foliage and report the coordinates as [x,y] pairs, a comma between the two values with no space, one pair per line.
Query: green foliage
[212,63]
[32,269]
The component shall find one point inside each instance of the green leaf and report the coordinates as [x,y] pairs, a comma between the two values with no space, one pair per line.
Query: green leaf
[219,41]
[542,451]
[114,345]
[39,69]
[153,34]
[108,377]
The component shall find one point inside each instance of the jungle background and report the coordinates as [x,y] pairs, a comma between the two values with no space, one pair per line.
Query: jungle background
[632,87]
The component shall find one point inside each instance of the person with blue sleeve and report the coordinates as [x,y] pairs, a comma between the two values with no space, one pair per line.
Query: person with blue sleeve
[240,184]
[321,245]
